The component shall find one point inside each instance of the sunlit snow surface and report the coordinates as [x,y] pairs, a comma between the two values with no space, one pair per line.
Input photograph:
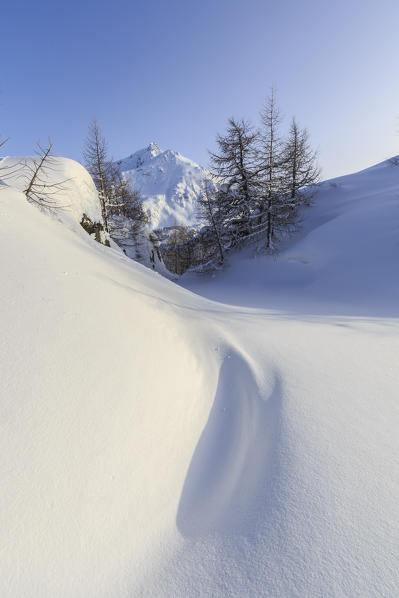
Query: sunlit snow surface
[156,442]
[75,194]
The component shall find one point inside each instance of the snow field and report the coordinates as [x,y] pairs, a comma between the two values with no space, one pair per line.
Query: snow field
[155,442]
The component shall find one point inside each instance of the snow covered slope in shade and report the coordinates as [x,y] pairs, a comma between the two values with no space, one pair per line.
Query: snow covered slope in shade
[156,443]
[344,259]
[77,196]
[170,184]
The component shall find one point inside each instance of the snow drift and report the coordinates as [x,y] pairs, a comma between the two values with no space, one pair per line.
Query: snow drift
[158,443]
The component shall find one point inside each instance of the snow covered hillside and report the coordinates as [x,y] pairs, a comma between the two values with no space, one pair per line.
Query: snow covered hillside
[170,184]
[344,259]
[155,442]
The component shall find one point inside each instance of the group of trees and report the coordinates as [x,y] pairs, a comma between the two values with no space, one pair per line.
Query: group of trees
[259,182]
[122,211]
[121,206]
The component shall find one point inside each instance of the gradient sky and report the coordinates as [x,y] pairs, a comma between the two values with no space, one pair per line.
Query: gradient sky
[173,71]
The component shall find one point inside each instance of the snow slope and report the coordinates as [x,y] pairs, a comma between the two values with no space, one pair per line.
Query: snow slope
[170,184]
[342,260]
[158,443]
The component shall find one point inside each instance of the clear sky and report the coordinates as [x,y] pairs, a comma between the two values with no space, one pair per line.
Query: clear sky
[173,71]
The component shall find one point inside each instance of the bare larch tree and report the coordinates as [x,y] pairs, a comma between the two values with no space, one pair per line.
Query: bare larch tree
[234,168]
[99,165]
[300,164]
[211,214]
[270,168]
[41,182]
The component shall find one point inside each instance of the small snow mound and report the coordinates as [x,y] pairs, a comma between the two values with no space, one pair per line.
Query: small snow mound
[77,194]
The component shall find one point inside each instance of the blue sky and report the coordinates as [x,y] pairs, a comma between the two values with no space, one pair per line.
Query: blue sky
[174,71]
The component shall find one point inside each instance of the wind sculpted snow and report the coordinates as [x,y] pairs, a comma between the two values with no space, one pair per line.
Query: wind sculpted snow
[155,442]
[230,468]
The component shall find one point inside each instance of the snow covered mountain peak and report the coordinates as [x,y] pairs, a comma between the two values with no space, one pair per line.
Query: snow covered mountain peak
[140,157]
[169,183]
[154,148]
[151,151]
